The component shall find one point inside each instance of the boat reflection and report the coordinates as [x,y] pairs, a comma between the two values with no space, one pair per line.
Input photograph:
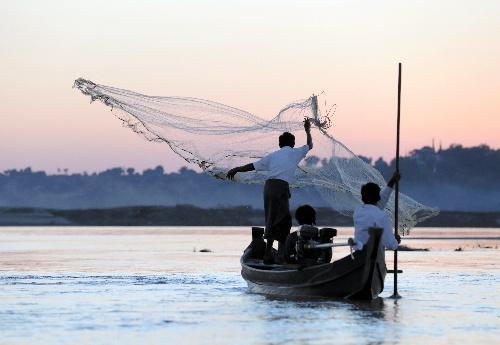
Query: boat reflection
[379,308]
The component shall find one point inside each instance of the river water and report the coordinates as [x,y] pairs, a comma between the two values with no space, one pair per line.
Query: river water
[152,285]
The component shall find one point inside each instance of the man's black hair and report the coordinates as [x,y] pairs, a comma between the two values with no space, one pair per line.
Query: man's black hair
[287,139]
[370,193]
[305,214]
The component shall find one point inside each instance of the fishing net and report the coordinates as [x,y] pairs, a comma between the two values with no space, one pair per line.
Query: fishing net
[217,137]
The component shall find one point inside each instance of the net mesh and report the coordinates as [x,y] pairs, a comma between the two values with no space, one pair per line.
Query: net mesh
[217,137]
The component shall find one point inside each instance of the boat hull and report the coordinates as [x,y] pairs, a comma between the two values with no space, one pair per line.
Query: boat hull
[361,277]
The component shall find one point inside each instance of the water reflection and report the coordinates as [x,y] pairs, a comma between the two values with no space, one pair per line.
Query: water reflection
[304,320]
[375,308]
[187,308]
[130,288]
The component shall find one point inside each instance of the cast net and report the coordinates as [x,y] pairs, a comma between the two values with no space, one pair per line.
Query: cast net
[217,137]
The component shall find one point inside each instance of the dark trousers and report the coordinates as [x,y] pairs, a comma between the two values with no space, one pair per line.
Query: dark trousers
[277,210]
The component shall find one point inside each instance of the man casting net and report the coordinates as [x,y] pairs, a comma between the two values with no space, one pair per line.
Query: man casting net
[217,137]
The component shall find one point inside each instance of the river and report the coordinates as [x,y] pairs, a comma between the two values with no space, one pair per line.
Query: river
[152,285]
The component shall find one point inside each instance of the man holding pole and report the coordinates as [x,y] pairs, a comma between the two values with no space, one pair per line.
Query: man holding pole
[371,215]
[384,219]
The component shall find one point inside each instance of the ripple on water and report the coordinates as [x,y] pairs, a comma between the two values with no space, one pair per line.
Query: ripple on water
[217,308]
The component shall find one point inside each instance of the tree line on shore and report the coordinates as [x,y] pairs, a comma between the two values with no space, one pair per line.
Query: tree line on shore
[456,178]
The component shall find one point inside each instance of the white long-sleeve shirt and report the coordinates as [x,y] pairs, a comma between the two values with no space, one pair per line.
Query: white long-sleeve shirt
[372,216]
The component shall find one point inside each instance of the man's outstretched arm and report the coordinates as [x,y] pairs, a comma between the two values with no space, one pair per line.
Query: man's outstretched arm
[307,128]
[396,176]
[243,168]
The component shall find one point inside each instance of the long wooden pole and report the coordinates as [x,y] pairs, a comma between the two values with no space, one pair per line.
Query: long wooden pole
[396,196]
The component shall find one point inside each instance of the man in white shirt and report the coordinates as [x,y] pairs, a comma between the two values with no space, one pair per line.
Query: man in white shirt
[371,214]
[280,166]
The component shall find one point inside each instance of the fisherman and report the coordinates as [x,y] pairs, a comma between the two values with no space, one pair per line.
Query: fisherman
[305,216]
[280,166]
[371,215]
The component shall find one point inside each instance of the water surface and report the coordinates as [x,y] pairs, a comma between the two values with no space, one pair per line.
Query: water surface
[152,285]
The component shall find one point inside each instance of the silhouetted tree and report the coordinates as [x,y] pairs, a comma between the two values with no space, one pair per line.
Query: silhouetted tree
[457,178]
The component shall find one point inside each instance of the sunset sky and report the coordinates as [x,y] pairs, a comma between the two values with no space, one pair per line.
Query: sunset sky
[254,55]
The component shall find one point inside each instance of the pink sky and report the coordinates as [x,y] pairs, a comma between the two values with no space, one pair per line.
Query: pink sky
[254,55]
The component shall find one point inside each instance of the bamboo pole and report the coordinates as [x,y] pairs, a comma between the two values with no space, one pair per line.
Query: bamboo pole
[396,196]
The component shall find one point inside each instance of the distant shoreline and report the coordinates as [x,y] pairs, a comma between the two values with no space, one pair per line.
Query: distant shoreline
[187,215]
[442,178]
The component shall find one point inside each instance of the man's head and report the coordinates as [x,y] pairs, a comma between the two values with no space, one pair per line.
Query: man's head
[287,139]
[370,193]
[305,215]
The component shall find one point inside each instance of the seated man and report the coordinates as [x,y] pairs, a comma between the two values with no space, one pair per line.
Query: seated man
[305,216]
[307,233]
[371,215]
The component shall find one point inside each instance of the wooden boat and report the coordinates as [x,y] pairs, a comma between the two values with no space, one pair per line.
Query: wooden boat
[361,277]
